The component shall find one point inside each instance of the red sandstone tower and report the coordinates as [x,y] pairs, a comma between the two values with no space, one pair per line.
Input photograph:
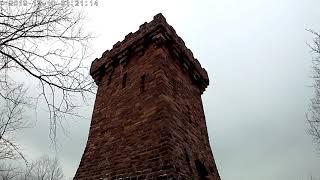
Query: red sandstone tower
[148,120]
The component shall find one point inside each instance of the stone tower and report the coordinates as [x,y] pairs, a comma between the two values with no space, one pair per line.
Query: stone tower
[148,120]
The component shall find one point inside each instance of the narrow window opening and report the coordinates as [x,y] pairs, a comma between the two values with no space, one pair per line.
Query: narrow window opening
[201,169]
[110,77]
[142,83]
[189,114]
[124,80]
[188,160]
[174,87]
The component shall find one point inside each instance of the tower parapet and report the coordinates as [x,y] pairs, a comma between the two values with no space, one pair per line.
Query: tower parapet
[157,31]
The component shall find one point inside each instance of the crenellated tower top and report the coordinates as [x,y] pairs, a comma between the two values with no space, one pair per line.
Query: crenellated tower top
[157,31]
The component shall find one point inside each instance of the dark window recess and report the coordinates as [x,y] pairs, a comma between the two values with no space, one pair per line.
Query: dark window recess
[142,83]
[175,86]
[188,160]
[110,77]
[124,80]
[201,169]
[189,114]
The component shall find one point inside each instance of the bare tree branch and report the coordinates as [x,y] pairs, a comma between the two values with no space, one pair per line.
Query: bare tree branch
[9,172]
[13,104]
[47,43]
[313,116]
[44,168]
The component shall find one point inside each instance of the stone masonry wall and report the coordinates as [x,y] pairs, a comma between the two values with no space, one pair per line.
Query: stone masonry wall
[148,120]
[189,137]
[127,122]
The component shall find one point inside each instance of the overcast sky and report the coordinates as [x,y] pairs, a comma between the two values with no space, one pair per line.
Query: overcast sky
[258,63]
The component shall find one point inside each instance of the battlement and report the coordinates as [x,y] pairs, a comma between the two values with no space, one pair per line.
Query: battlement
[157,31]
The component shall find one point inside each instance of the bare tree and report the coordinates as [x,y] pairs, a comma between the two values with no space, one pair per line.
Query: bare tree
[313,178]
[44,41]
[313,116]
[44,169]
[11,120]
[9,172]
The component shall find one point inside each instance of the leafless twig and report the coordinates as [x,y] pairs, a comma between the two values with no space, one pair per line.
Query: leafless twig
[313,116]
[47,43]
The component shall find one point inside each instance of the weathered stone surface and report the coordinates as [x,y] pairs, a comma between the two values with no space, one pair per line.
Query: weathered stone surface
[148,120]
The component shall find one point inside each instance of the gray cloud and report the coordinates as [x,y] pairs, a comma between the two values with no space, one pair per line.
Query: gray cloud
[259,68]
